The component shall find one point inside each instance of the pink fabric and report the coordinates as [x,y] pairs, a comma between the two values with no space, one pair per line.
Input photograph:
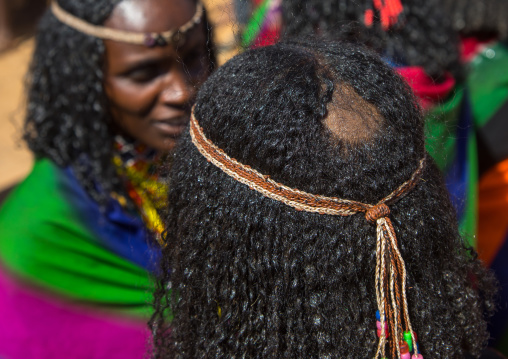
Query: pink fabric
[428,92]
[37,327]
[472,46]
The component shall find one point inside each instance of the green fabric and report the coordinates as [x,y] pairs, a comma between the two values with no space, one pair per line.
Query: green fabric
[44,241]
[440,126]
[488,82]
[440,129]
[255,24]
[468,224]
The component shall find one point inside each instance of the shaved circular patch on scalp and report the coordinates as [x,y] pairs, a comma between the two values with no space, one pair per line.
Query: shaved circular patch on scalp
[350,118]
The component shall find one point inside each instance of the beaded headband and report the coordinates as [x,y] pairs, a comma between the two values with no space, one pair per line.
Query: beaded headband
[149,39]
[390,267]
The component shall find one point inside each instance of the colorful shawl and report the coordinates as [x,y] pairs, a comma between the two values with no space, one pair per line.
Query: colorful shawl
[75,279]
[488,85]
[450,140]
[263,29]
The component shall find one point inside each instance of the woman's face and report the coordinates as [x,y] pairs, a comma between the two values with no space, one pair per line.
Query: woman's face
[150,90]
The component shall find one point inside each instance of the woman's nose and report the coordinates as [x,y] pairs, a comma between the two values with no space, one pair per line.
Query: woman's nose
[177,90]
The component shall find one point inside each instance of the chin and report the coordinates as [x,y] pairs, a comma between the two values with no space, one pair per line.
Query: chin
[166,145]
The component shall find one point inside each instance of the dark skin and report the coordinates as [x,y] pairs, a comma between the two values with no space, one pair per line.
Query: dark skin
[151,89]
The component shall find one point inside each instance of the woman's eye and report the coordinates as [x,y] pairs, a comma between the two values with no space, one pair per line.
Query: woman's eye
[144,74]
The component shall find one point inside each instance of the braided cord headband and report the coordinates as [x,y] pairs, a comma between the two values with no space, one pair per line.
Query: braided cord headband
[149,39]
[390,267]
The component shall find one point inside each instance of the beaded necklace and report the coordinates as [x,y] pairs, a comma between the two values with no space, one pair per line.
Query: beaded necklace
[137,166]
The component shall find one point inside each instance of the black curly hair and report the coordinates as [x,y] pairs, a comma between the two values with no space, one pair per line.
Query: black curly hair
[423,36]
[254,278]
[480,18]
[68,119]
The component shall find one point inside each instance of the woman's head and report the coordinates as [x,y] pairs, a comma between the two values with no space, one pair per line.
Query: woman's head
[419,35]
[254,277]
[84,90]
[150,89]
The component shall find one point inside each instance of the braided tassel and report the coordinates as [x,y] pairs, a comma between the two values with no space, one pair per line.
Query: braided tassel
[390,267]
[390,286]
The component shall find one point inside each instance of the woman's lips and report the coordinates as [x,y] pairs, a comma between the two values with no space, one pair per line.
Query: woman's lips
[172,128]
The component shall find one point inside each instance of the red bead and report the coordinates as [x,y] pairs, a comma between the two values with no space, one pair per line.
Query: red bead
[404,348]
[379,332]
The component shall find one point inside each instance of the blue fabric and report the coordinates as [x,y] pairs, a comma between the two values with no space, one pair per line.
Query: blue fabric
[122,233]
[457,176]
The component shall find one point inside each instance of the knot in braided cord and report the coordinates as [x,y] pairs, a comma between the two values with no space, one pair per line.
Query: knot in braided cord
[378,211]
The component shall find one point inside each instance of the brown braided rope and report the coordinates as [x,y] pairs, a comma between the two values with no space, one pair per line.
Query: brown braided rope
[108,33]
[390,267]
[295,198]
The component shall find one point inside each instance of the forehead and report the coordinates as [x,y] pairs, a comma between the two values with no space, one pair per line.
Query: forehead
[151,15]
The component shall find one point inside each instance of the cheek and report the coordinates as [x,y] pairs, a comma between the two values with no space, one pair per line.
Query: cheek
[132,99]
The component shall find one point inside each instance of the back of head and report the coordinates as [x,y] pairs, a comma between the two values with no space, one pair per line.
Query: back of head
[253,277]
